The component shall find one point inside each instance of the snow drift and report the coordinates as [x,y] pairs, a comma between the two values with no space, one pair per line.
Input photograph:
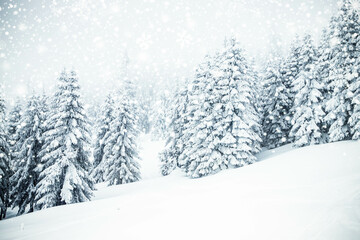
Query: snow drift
[306,193]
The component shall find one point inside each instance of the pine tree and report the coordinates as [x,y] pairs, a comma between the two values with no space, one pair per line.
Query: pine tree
[120,160]
[323,69]
[224,131]
[160,118]
[289,70]
[44,103]
[326,53]
[103,128]
[5,171]
[276,103]
[175,144]
[195,113]
[144,112]
[26,157]
[258,89]
[354,120]
[342,108]
[353,39]
[308,112]
[14,119]
[239,91]
[12,126]
[64,155]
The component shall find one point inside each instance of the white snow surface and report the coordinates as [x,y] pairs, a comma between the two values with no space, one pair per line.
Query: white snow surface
[307,193]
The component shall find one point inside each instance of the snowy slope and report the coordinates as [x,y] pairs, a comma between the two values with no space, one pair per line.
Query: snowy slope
[307,193]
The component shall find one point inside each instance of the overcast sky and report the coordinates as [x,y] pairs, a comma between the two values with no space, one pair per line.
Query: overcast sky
[164,40]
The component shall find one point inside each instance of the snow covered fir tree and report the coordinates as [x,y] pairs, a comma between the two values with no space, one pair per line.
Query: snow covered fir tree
[103,126]
[308,112]
[290,70]
[5,170]
[160,115]
[343,81]
[224,131]
[275,100]
[64,156]
[26,156]
[175,142]
[119,164]
[13,123]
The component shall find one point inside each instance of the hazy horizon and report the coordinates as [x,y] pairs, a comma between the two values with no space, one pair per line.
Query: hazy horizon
[164,40]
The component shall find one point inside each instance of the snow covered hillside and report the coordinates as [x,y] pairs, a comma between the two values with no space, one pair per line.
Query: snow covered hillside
[307,193]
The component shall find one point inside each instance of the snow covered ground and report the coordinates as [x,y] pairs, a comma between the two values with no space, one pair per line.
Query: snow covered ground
[307,193]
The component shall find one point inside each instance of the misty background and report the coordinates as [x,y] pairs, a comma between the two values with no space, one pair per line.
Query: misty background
[162,40]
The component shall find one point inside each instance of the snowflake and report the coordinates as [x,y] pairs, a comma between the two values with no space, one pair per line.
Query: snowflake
[144,41]
[21,90]
[22,27]
[142,57]
[99,42]
[184,39]
[81,7]
[355,4]
[41,49]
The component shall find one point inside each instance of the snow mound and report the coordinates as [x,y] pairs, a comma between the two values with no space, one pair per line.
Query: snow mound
[306,193]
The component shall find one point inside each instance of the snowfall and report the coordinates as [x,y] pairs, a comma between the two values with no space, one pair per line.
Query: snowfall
[307,193]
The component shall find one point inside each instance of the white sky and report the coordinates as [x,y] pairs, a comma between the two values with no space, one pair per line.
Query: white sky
[164,40]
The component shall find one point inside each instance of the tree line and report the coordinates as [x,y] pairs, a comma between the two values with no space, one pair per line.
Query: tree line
[46,148]
[223,115]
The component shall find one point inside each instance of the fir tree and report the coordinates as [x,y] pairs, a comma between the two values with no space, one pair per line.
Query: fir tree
[354,120]
[326,53]
[144,112]
[26,157]
[308,112]
[103,128]
[342,108]
[289,70]
[161,110]
[276,104]
[194,112]
[175,144]
[323,69]
[5,171]
[238,88]
[353,72]
[120,160]
[225,131]
[12,126]
[14,119]
[64,155]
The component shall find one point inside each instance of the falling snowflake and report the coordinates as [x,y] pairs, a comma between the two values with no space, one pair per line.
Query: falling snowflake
[355,4]
[145,41]
[184,39]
